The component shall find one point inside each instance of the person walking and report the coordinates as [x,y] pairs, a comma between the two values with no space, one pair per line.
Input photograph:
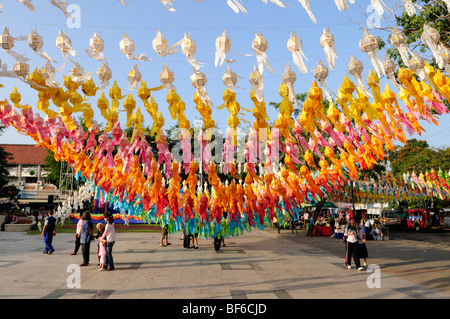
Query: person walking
[49,232]
[217,243]
[110,236]
[332,223]
[86,236]
[77,234]
[165,235]
[351,233]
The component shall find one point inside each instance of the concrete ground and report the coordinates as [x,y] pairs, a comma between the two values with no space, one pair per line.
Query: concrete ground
[256,265]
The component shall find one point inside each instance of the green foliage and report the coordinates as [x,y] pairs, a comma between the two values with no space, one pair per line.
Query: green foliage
[5,191]
[435,14]
[419,157]
[53,167]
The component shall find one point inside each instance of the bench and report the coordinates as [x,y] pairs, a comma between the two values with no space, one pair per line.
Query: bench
[18,227]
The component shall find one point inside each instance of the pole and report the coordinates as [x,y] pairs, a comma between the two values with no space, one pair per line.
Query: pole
[353,197]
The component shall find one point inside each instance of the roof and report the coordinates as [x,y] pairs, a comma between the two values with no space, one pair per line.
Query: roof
[326,205]
[25,154]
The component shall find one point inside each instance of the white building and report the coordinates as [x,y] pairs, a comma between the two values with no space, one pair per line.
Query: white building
[26,172]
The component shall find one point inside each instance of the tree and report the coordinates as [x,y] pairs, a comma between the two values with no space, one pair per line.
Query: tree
[53,167]
[436,15]
[417,156]
[6,190]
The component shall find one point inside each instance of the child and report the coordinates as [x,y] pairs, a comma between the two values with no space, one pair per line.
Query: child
[48,232]
[102,254]
[100,231]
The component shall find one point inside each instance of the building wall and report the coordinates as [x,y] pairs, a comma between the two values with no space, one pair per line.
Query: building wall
[22,175]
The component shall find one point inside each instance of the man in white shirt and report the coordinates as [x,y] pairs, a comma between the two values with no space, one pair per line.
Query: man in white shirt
[350,233]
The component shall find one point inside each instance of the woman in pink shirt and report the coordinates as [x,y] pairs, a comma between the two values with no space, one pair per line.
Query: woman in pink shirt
[77,234]
[110,236]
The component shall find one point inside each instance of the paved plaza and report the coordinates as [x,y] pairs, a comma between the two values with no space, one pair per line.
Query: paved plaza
[256,265]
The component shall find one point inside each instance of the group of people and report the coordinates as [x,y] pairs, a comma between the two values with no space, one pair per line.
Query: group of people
[190,240]
[106,236]
[84,235]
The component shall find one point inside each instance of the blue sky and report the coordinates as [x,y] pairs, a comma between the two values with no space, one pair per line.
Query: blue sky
[205,21]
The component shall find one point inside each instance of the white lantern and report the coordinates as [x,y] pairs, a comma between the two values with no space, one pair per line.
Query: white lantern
[295,45]
[256,80]
[355,68]
[35,41]
[64,43]
[21,69]
[431,37]
[7,43]
[6,40]
[127,47]
[305,4]
[188,47]
[229,78]
[223,46]
[445,54]
[417,63]
[160,44]
[389,69]
[49,73]
[369,44]
[398,40]
[289,78]
[77,74]
[198,79]
[167,78]
[104,74]
[96,47]
[260,43]
[389,65]
[134,77]
[327,43]
[96,43]
[320,74]
[260,46]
